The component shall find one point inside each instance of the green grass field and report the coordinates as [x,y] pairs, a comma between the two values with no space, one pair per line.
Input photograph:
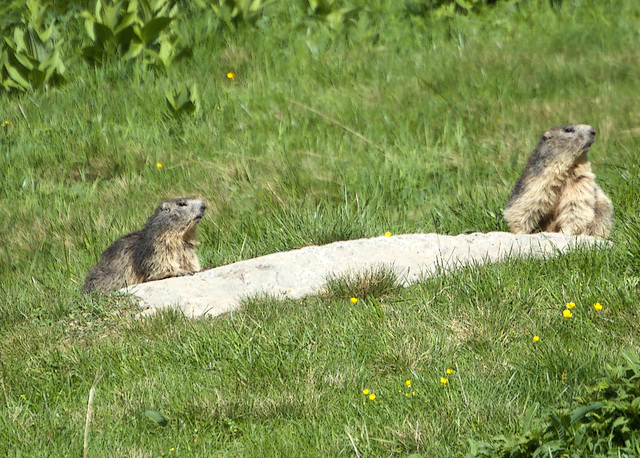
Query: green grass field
[390,123]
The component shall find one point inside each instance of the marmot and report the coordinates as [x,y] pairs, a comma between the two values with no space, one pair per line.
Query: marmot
[557,191]
[165,247]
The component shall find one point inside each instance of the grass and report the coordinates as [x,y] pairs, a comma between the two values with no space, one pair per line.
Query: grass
[445,115]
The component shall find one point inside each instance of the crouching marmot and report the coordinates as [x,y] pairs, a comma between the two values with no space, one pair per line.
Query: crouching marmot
[165,247]
[557,191]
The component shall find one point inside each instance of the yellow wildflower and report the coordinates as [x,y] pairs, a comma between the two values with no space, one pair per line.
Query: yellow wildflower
[597,306]
[159,165]
[444,381]
[567,313]
[372,397]
[231,75]
[354,300]
[536,338]
[387,234]
[408,383]
[365,392]
[570,305]
[449,371]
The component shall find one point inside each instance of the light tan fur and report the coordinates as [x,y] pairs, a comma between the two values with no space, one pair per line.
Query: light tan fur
[557,191]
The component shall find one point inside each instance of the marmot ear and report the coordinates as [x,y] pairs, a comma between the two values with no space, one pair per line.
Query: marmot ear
[165,208]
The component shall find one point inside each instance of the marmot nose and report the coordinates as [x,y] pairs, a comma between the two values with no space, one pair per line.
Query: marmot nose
[592,132]
[203,207]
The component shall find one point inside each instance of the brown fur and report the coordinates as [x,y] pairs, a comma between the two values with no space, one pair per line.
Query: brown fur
[165,247]
[557,191]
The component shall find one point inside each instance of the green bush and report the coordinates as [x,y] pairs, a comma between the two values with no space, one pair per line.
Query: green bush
[132,29]
[606,423]
[334,13]
[232,13]
[30,51]
[183,100]
[448,8]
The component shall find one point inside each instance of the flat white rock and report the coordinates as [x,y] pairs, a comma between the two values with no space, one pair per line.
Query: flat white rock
[304,271]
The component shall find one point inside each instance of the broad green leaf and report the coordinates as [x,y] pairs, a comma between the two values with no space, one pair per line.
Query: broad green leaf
[25,61]
[166,51]
[135,48]
[632,359]
[580,412]
[17,77]
[125,37]
[153,28]
[46,34]
[18,39]
[38,49]
[101,33]
[89,25]
[111,15]
[97,9]
[528,417]
[37,77]
[157,417]
[127,20]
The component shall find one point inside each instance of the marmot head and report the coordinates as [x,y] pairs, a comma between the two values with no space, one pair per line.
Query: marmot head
[177,218]
[567,143]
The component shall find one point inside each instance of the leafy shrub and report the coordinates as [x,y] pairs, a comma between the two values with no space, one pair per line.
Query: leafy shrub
[183,100]
[30,51]
[447,8]
[606,424]
[334,13]
[232,13]
[132,28]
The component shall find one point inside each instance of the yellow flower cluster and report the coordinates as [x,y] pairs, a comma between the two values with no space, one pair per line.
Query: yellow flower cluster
[567,312]
[407,393]
[445,380]
[368,395]
[354,300]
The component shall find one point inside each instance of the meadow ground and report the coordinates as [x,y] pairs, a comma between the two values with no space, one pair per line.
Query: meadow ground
[387,123]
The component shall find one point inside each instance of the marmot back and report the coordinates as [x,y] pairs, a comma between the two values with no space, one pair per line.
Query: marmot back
[165,247]
[557,191]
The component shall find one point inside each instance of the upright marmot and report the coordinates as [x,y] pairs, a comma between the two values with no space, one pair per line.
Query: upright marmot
[557,191]
[165,247]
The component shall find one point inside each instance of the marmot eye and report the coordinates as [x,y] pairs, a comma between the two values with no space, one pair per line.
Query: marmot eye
[569,129]
[182,204]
